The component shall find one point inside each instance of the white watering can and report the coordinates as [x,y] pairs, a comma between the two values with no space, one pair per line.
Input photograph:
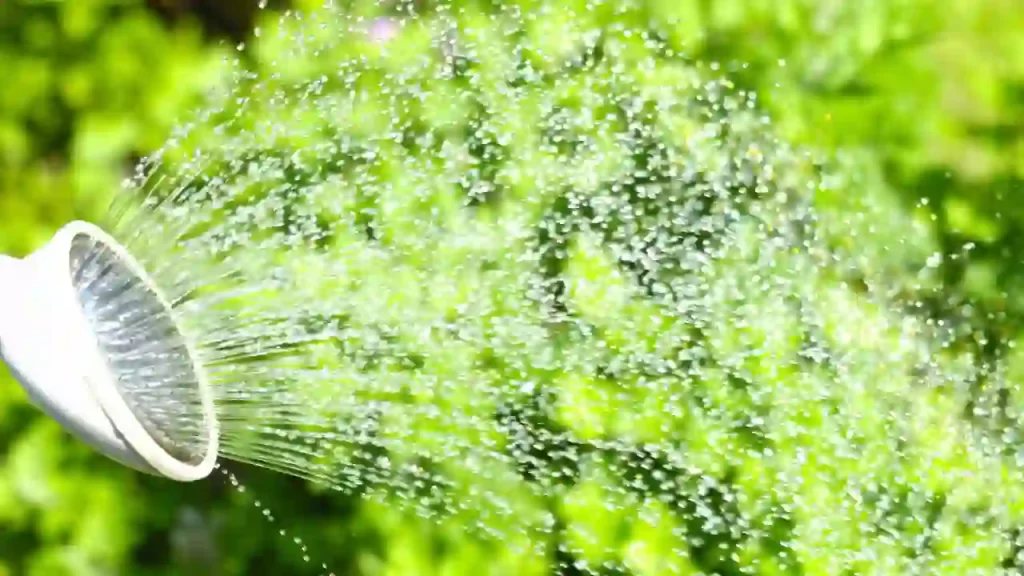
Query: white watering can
[55,335]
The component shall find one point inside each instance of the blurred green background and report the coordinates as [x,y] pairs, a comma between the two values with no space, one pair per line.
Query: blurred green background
[924,99]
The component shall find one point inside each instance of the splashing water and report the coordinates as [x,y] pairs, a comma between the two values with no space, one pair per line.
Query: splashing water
[535,274]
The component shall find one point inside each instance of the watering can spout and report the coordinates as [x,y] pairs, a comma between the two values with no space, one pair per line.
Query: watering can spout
[48,344]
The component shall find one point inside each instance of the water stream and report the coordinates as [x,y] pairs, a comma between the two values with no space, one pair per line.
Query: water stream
[540,276]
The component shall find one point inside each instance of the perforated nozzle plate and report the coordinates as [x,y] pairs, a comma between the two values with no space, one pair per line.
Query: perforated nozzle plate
[144,350]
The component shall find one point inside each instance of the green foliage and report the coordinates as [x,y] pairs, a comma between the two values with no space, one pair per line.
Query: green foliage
[915,107]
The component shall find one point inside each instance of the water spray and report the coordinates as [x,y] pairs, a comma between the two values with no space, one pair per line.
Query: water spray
[97,347]
[561,292]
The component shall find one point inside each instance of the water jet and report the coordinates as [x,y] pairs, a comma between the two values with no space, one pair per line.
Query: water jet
[96,346]
[581,300]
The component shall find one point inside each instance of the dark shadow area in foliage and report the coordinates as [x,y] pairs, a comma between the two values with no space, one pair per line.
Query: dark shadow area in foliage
[233,19]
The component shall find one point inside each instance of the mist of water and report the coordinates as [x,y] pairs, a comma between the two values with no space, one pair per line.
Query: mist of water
[537,275]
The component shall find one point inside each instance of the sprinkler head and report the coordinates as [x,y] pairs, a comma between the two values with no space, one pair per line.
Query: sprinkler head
[96,346]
